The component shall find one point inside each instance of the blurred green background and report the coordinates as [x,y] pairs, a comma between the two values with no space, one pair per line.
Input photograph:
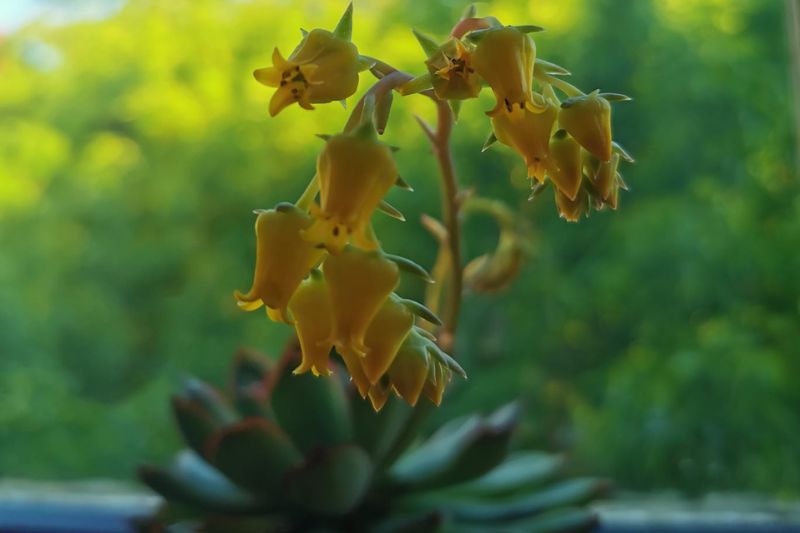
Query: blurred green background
[658,345]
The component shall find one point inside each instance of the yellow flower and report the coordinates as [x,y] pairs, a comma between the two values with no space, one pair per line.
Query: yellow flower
[529,136]
[359,282]
[383,338]
[564,164]
[452,72]
[283,259]
[572,209]
[355,170]
[311,308]
[587,118]
[505,57]
[420,366]
[324,67]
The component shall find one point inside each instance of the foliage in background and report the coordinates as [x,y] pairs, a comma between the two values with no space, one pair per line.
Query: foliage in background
[658,344]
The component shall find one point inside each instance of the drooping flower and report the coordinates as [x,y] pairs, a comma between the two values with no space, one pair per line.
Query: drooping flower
[355,170]
[505,57]
[383,338]
[564,164]
[420,366]
[312,312]
[571,209]
[359,282]
[283,259]
[529,136]
[587,118]
[324,67]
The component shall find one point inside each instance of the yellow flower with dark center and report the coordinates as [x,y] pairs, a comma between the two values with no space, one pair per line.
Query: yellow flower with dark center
[322,68]
[452,72]
[311,309]
[564,164]
[529,136]
[587,118]
[359,282]
[355,170]
[505,57]
[283,259]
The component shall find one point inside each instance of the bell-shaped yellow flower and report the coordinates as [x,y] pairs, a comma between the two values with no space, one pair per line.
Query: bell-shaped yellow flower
[604,175]
[439,375]
[379,394]
[355,170]
[587,118]
[571,209]
[313,321]
[283,259]
[529,136]
[452,73]
[352,361]
[505,57]
[564,164]
[410,367]
[323,68]
[359,281]
[385,334]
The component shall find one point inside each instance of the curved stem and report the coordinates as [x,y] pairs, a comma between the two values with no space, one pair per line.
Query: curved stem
[450,192]
[392,79]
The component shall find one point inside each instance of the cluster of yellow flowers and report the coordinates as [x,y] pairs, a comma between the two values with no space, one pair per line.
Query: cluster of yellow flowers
[319,265]
[566,142]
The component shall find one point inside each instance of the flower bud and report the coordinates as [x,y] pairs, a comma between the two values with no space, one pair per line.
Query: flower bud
[355,171]
[529,136]
[283,259]
[359,282]
[494,272]
[322,68]
[564,164]
[311,308]
[505,57]
[587,118]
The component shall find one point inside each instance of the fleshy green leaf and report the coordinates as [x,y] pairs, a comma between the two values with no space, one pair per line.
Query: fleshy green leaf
[332,481]
[409,266]
[615,97]
[422,311]
[569,520]
[189,480]
[403,184]
[490,140]
[455,106]
[421,83]
[210,400]
[344,29]
[529,28]
[458,454]
[254,454]
[565,493]
[521,470]
[313,411]
[388,209]
[195,424]
[376,432]
[429,46]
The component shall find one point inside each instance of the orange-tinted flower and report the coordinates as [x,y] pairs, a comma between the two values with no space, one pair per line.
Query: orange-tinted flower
[528,135]
[311,309]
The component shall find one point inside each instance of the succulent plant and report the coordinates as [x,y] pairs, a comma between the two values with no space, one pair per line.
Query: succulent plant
[286,453]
